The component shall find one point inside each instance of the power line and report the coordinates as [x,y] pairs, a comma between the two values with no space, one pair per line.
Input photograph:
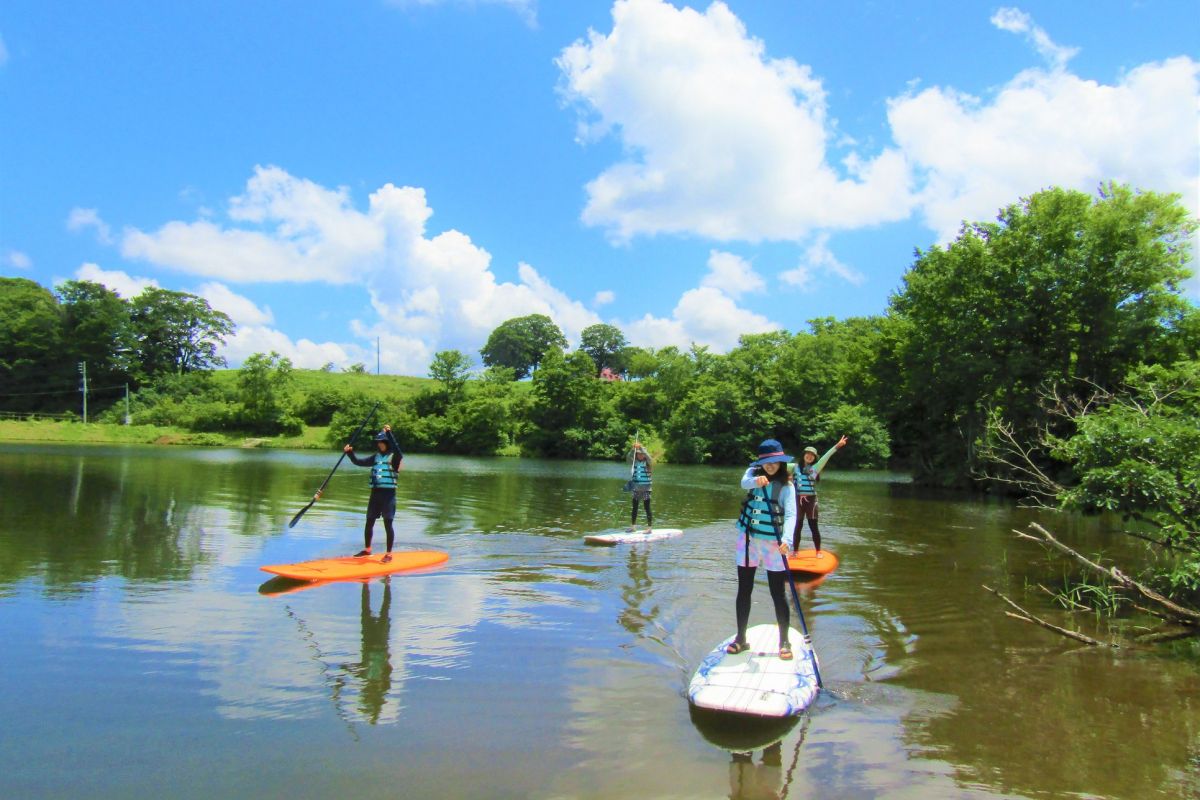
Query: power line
[91,390]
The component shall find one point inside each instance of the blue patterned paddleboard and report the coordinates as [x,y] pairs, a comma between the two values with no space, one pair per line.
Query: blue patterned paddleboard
[756,681]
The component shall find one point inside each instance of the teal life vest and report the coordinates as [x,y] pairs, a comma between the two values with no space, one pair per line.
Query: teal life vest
[762,514]
[641,473]
[382,474]
[805,480]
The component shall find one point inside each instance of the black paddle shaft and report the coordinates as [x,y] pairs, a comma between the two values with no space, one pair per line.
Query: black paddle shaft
[325,483]
[812,653]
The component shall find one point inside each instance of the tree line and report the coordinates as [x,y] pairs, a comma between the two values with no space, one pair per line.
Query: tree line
[45,336]
[1064,291]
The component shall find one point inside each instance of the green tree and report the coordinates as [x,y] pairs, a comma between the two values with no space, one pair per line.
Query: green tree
[176,332]
[97,329]
[31,331]
[606,346]
[1062,287]
[450,368]
[568,417]
[357,368]
[264,390]
[522,342]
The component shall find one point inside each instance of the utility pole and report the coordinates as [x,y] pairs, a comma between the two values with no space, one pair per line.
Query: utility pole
[83,388]
[377,359]
[127,404]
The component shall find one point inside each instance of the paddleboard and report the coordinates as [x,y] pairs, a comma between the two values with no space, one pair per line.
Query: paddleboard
[633,537]
[756,681]
[350,567]
[807,561]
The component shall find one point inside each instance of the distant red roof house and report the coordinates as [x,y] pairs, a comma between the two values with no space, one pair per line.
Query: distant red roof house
[607,374]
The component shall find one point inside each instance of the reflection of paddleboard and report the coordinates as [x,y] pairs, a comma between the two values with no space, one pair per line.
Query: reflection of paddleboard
[756,681]
[806,561]
[633,537]
[349,567]
[740,733]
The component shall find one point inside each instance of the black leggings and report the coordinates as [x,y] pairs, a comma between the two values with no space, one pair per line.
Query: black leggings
[369,532]
[646,503]
[812,526]
[775,580]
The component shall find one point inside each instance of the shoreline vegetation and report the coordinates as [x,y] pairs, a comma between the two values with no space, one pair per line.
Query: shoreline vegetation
[1051,354]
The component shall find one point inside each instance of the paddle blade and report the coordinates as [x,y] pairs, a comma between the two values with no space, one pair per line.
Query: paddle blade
[300,514]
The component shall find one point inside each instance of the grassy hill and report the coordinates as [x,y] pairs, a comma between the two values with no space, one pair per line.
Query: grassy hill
[375,387]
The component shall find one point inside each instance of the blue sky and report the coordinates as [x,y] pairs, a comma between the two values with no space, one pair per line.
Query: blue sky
[420,170]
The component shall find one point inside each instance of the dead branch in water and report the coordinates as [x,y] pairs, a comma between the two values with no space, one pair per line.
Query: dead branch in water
[1176,612]
[1026,616]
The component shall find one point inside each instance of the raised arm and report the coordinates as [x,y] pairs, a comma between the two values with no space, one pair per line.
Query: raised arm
[820,465]
[358,462]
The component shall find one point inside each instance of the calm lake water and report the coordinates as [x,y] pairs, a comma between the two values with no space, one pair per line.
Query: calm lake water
[142,658]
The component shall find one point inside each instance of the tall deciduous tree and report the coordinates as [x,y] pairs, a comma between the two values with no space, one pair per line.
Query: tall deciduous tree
[606,346]
[30,341]
[522,342]
[177,332]
[1063,286]
[451,368]
[264,389]
[97,329]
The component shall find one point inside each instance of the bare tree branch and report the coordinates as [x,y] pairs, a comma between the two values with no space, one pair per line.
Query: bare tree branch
[1025,616]
[1180,614]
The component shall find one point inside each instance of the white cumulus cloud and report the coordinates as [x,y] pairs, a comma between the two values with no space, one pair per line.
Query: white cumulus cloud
[1014,20]
[708,314]
[304,353]
[241,309]
[604,297]
[81,219]
[432,291]
[722,140]
[732,274]
[119,281]
[17,260]
[818,259]
[1048,128]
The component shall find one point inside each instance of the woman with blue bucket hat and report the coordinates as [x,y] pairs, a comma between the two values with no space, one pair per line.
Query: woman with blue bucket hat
[768,513]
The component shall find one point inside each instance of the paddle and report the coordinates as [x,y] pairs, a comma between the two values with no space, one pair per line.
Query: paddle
[812,653]
[302,511]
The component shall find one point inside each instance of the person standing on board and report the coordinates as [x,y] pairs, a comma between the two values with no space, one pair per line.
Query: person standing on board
[767,512]
[640,481]
[384,464]
[805,481]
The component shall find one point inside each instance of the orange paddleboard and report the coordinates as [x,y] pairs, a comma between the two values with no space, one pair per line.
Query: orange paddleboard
[350,567]
[806,561]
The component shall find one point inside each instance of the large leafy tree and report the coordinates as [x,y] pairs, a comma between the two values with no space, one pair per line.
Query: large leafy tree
[31,327]
[1062,286]
[97,329]
[264,389]
[522,342]
[450,368]
[176,332]
[606,346]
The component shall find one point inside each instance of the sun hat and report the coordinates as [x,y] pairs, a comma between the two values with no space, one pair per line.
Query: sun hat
[811,449]
[770,451]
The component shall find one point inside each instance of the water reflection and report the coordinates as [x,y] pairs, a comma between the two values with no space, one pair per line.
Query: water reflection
[138,568]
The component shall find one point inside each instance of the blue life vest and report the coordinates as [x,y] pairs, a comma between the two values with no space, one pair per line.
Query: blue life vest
[382,474]
[641,473]
[762,515]
[805,480]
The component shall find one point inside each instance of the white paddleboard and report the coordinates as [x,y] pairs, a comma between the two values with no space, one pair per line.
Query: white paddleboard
[633,537]
[756,681]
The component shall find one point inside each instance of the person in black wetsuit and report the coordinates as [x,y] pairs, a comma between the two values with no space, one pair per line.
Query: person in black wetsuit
[384,464]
